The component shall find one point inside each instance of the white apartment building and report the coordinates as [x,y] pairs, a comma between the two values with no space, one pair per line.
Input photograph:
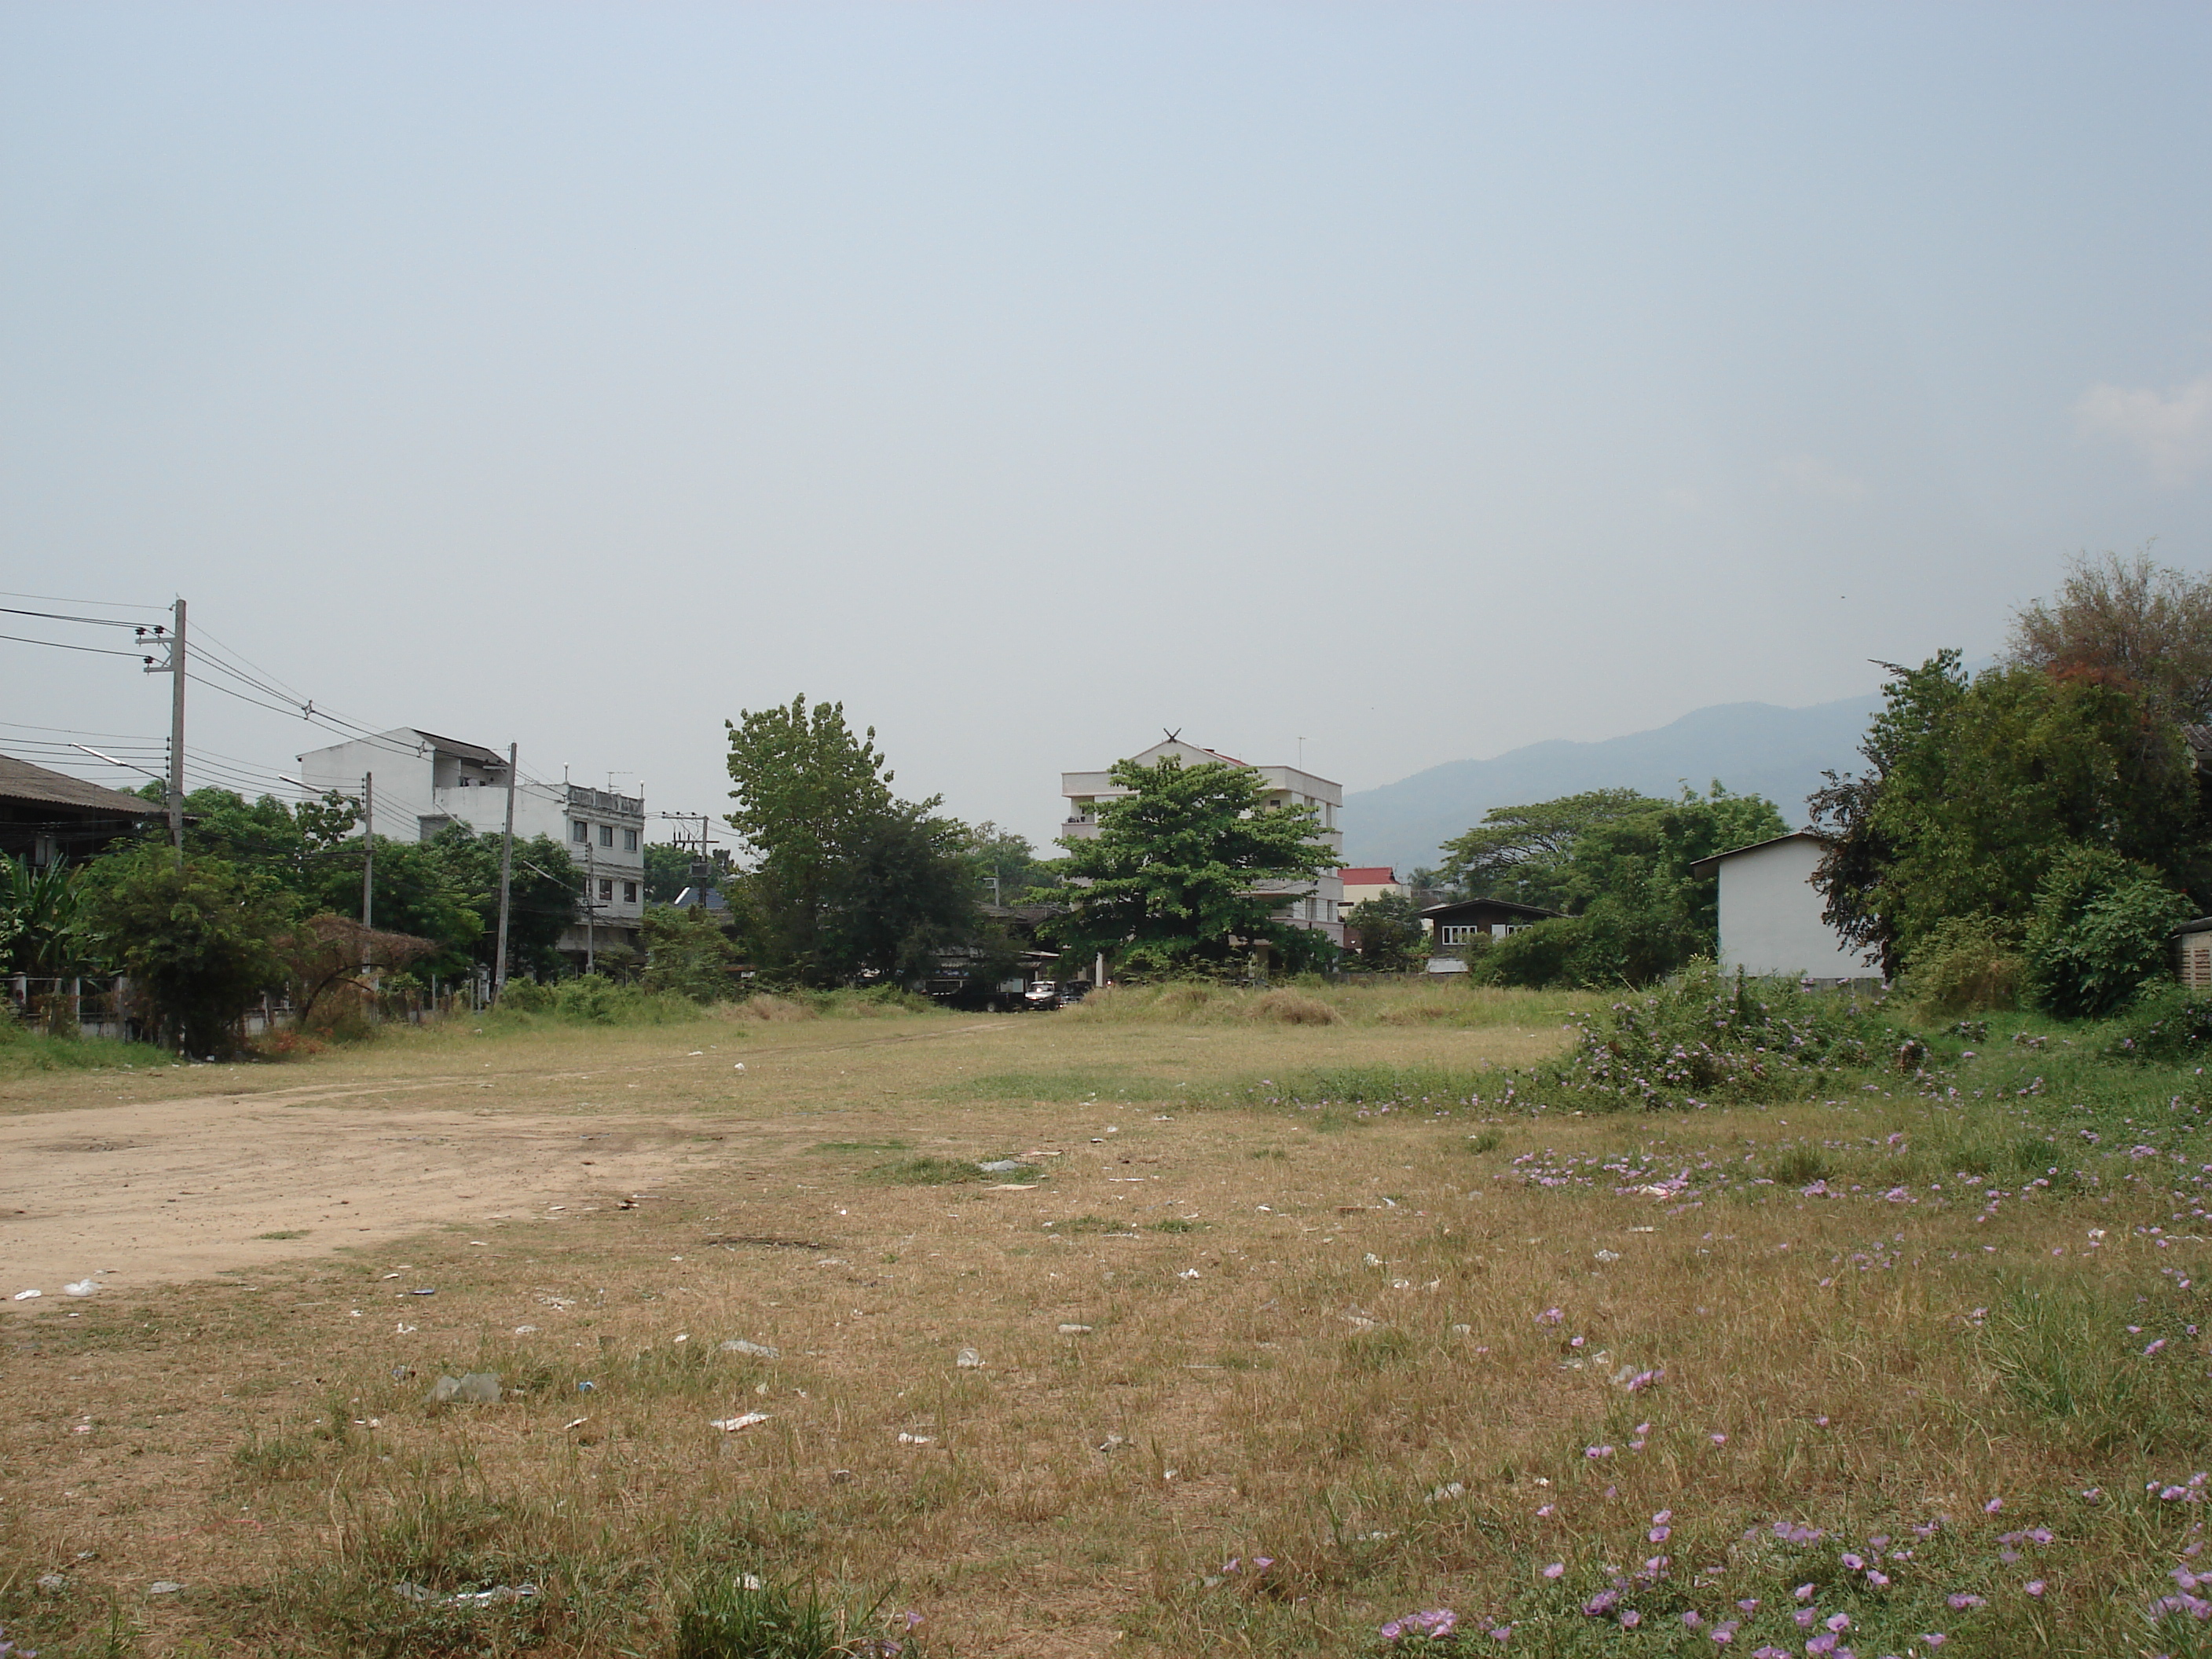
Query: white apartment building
[1317,903]
[423,782]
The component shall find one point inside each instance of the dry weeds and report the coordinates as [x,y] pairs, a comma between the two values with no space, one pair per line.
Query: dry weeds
[1390,1357]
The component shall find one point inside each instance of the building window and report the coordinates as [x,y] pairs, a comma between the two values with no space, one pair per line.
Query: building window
[579,832]
[630,892]
[606,835]
[629,840]
[606,892]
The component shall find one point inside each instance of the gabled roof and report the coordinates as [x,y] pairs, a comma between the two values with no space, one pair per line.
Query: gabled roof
[1706,866]
[20,780]
[1496,906]
[1368,875]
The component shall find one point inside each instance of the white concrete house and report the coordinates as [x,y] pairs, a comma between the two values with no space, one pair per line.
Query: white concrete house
[1770,911]
[1318,903]
[424,782]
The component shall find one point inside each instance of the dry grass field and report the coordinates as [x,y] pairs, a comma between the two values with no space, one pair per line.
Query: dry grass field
[1260,1365]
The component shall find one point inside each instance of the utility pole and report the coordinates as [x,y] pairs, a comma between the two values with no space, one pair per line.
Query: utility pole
[506,881]
[368,849]
[174,640]
[590,899]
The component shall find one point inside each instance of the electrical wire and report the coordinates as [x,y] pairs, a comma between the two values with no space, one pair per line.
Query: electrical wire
[60,645]
[100,605]
[56,615]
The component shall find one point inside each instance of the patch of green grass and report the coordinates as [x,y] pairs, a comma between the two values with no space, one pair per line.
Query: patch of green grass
[1364,1088]
[1085,1224]
[286,1232]
[1175,1223]
[863,1145]
[23,1051]
[743,1618]
[1484,1140]
[1275,1152]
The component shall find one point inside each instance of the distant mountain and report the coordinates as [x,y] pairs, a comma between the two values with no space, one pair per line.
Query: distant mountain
[1754,748]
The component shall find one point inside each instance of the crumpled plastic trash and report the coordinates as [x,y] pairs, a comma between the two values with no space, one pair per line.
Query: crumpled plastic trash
[416,1593]
[54,1584]
[1075,1330]
[1002,1166]
[731,1424]
[476,1388]
[968,1359]
[26,1296]
[82,1287]
[757,1350]
[163,1587]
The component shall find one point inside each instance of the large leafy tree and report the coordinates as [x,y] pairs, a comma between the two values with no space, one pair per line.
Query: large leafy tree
[196,940]
[847,879]
[43,919]
[1171,882]
[1619,864]
[2130,621]
[1977,788]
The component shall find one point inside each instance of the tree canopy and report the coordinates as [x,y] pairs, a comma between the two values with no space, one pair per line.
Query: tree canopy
[847,880]
[1977,788]
[1172,882]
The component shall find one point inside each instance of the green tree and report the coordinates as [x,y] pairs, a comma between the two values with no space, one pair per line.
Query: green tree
[1976,788]
[688,951]
[847,880]
[1008,867]
[1386,934]
[1171,882]
[806,791]
[1619,864]
[196,941]
[1526,853]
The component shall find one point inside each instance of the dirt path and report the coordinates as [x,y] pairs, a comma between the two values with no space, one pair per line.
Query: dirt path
[155,1192]
[151,1194]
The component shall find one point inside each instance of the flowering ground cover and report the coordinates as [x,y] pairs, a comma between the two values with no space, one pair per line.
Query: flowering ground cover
[1358,1338]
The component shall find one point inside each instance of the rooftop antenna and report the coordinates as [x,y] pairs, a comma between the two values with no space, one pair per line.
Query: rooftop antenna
[1302,754]
[1174,736]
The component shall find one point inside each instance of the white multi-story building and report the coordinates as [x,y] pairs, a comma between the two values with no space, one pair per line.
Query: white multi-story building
[423,782]
[1317,903]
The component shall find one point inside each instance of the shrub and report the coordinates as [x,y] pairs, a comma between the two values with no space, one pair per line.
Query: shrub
[2099,933]
[1969,964]
[2166,1022]
[1703,1037]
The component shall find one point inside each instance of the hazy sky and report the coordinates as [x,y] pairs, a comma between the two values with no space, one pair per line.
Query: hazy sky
[1417,380]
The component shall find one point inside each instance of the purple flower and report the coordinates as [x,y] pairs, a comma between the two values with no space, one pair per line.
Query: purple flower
[1749,1604]
[1993,1506]
[1854,1562]
[2034,1587]
[1935,1638]
[1555,1570]
[1603,1603]
[1839,1622]
[1660,1534]
[1691,1620]
[1961,1602]
[1803,1592]
[1631,1619]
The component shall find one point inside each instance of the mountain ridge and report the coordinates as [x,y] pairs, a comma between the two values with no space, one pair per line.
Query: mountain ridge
[1752,748]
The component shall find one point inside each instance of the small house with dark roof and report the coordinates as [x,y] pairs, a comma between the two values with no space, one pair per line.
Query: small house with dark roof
[47,816]
[1463,922]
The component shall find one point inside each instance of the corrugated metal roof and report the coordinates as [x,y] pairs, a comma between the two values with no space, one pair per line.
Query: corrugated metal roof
[20,780]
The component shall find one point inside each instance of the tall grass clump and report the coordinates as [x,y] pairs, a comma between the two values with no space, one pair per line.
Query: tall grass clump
[595,1000]
[2166,1023]
[1704,1038]
[745,1618]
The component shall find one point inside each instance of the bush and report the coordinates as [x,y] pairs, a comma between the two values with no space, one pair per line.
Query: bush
[1970,965]
[2099,932]
[595,1000]
[2166,1023]
[1703,1038]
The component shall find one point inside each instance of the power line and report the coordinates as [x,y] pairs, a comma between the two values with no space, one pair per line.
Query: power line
[59,644]
[103,605]
[56,615]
